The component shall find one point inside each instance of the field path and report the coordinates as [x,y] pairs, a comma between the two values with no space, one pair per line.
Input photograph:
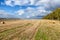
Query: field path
[30,30]
[13,31]
[29,33]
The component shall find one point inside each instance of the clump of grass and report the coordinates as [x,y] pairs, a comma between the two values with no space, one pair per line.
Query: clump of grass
[41,35]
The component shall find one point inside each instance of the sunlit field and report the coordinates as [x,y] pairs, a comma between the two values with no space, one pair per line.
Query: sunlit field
[30,30]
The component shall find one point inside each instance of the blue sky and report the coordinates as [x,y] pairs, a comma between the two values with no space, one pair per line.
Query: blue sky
[27,8]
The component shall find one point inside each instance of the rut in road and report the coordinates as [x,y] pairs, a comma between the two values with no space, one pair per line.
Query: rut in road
[28,33]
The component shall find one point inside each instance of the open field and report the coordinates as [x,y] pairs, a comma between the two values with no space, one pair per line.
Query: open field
[30,30]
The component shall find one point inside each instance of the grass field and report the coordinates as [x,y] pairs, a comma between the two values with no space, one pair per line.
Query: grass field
[30,30]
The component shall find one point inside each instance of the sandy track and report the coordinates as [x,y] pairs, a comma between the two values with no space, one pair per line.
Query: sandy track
[28,33]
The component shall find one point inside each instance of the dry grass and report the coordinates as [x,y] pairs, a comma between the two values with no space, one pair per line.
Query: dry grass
[30,30]
[49,30]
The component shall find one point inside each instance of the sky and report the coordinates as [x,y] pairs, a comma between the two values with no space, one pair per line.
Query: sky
[27,8]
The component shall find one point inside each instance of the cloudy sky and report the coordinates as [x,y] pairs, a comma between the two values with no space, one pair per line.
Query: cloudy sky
[27,8]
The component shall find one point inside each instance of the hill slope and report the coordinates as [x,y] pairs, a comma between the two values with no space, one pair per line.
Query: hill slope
[55,15]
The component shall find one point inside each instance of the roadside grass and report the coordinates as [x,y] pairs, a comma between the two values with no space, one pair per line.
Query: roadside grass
[40,35]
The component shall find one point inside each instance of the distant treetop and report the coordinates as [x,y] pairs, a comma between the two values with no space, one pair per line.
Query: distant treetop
[55,15]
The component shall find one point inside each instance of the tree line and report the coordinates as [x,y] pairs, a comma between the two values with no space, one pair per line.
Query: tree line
[55,15]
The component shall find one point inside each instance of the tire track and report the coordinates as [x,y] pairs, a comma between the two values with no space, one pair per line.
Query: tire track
[10,31]
[21,30]
[11,25]
[28,33]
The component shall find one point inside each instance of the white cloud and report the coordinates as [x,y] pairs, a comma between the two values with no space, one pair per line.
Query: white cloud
[20,12]
[4,14]
[28,17]
[32,2]
[55,3]
[33,14]
[8,2]
[40,3]
[42,10]
[21,2]
[30,12]
[16,2]
[27,13]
